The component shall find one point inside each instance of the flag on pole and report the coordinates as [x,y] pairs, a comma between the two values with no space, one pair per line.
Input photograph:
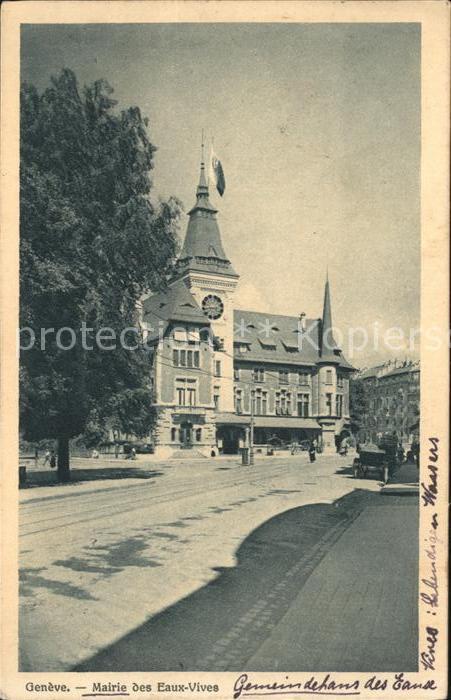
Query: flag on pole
[217,173]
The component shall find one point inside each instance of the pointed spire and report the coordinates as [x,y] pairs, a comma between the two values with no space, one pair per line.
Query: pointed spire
[327,311]
[202,188]
[203,245]
[202,192]
[328,344]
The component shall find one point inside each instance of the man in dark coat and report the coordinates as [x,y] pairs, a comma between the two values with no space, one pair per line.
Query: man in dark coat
[312,451]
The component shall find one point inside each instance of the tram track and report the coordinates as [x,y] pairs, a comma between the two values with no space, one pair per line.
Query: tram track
[109,509]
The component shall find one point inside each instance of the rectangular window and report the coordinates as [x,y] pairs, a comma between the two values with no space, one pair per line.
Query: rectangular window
[191,396]
[258,403]
[216,397]
[288,409]
[264,403]
[339,405]
[185,358]
[193,336]
[304,377]
[180,334]
[285,404]
[277,404]
[283,376]
[258,374]
[329,404]
[340,381]
[328,376]
[185,391]
[303,405]
[217,368]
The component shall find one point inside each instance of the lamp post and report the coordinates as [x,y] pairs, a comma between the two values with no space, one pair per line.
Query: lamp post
[251,436]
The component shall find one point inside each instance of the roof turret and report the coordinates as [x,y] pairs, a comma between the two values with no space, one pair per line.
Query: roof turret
[329,349]
[202,248]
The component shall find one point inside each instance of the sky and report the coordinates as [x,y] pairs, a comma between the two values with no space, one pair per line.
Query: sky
[317,127]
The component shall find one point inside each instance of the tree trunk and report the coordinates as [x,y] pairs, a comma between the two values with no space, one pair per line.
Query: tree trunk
[63,459]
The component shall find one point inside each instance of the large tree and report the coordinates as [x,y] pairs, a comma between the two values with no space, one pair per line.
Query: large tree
[91,243]
[358,404]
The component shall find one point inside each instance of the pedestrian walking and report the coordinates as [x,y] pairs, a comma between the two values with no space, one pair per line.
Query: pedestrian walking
[52,460]
[312,451]
[47,457]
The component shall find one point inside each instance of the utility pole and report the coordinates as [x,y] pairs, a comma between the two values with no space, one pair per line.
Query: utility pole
[251,446]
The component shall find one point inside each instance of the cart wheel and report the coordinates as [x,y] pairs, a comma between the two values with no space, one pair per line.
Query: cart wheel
[385,475]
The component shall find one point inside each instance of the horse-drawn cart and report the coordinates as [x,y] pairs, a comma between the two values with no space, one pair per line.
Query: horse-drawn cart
[371,459]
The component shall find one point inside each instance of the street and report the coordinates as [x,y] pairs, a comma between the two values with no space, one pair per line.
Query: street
[201,566]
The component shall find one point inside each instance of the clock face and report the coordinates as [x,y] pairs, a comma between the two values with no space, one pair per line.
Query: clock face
[212,307]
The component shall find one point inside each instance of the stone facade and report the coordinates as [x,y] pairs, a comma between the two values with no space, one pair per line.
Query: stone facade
[220,374]
[393,400]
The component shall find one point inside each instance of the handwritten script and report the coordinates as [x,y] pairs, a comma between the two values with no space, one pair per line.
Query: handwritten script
[244,686]
[429,592]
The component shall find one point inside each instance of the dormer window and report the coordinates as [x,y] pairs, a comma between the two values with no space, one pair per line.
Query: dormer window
[258,374]
[267,343]
[180,334]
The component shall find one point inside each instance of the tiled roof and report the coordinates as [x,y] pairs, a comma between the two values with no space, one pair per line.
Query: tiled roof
[378,371]
[371,372]
[202,247]
[176,303]
[279,339]
[402,370]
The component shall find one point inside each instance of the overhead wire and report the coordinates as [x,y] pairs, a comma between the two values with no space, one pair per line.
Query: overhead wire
[232,357]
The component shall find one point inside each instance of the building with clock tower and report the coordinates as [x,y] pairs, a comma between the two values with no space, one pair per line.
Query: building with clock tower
[216,371]
[208,273]
[189,329]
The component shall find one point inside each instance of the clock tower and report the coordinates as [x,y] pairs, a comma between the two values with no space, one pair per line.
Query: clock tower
[208,273]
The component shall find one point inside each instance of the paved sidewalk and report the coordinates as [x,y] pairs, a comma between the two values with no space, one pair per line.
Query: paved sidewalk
[358,610]
[404,480]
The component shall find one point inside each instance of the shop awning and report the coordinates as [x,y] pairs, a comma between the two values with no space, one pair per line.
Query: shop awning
[286,422]
[268,421]
[232,419]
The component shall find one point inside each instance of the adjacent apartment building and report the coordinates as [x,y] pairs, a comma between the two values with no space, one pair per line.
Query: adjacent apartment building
[393,400]
[216,368]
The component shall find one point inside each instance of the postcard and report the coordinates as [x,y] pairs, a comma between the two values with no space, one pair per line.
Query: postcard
[225,382]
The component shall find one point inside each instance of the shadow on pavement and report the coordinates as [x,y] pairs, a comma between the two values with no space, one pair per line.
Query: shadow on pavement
[49,478]
[221,625]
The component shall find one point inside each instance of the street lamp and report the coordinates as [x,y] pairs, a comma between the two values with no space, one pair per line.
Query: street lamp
[251,436]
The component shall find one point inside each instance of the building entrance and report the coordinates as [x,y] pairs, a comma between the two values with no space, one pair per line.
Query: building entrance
[186,435]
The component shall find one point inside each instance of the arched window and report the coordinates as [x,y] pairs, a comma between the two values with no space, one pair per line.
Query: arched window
[198,434]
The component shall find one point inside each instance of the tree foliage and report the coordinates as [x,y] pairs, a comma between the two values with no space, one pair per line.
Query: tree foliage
[358,404]
[92,242]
